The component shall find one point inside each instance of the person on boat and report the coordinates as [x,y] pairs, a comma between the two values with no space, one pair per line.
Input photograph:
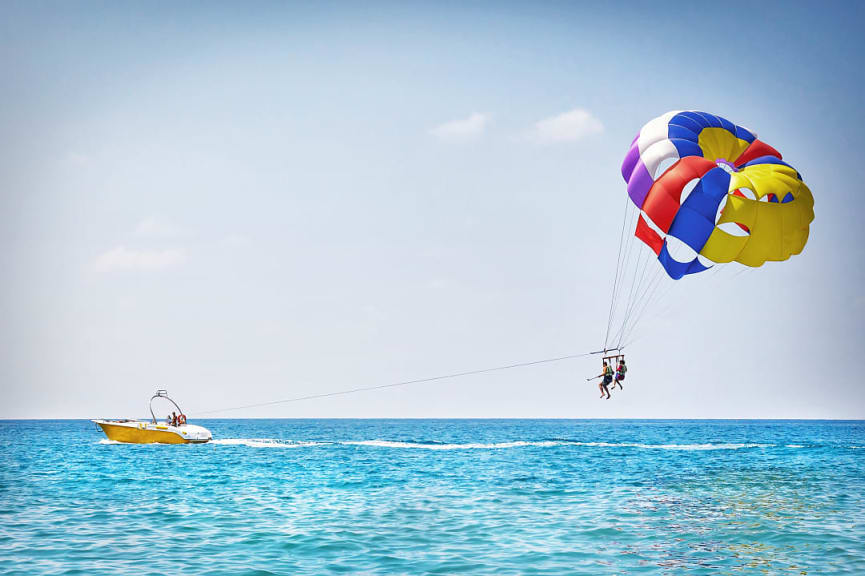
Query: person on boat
[168,420]
[607,376]
[620,374]
[173,418]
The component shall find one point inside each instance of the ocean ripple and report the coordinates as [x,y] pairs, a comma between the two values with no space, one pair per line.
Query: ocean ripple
[437,497]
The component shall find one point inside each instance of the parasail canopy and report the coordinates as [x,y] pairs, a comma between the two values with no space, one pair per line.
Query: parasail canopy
[710,192]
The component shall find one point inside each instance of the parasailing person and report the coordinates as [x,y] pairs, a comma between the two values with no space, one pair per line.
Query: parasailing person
[620,373]
[607,377]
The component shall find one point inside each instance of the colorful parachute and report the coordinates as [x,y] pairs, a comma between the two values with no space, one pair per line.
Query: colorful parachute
[710,192]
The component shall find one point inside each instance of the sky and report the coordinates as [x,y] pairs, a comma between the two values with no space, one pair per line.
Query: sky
[246,202]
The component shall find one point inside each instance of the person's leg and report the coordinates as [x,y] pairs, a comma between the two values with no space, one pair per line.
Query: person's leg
[601,388]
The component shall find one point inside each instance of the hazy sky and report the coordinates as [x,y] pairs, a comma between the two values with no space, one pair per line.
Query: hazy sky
[252,201]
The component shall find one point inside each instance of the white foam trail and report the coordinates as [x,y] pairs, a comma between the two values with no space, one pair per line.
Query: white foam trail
[794,446]
[264,443]
[275,443]
[469,446]
[107,441]
[550,443]
[671,446]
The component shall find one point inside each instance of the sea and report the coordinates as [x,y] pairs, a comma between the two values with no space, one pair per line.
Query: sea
[500,497]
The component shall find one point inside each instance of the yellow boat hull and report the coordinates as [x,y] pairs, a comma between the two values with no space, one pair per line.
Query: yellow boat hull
[147,433]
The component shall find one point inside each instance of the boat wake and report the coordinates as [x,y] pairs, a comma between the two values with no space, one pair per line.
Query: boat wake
[276,443]
[443,446]
[434,445]
[689,447]
[267,443]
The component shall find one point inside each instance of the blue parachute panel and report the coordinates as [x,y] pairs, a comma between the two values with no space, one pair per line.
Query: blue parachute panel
[686,147]
[684,120]
[745,134]
[678,269]
[692,228]
[680,132]
[707,195]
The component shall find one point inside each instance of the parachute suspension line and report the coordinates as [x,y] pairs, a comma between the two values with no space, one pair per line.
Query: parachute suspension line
[402,383]
[623,286]
[648,302]
[639,294]
[627,262]
[618,268]
[719,275]
[639,272]
[744,270]
[646,296]
[629,249]
[638,304]
[635,214]
[659,298]
[633,268]
[622,267]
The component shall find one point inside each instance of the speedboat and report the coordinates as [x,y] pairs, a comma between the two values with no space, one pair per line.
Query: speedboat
[153,432]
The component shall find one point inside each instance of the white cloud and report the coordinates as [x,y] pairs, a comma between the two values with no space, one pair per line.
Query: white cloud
[462,129]
[156,228]
[122,258]
[569,126]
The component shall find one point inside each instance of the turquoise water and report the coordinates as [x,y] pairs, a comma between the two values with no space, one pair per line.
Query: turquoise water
[437,497]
